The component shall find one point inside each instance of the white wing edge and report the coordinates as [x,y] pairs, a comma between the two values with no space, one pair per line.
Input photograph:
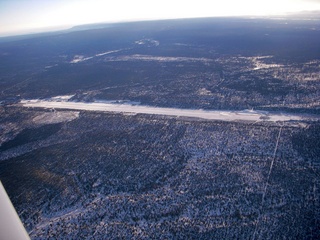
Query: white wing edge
[11,227]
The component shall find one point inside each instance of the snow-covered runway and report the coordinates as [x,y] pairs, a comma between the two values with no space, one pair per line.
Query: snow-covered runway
[246,115]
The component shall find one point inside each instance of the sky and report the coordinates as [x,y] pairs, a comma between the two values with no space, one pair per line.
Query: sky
[25,16]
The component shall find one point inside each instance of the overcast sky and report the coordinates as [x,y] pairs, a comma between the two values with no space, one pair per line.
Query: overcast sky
[22,16]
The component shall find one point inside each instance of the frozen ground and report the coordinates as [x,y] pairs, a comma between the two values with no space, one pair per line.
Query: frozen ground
[246,115]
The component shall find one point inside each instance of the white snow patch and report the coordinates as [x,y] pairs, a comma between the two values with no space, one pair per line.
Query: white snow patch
[50,66]
[260,65]
[182,44]
[80,58]
[147,41]
[105,53]
[204,92]
[55,117]
[62,98]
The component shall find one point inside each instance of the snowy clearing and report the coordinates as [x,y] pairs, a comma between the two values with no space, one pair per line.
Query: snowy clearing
[139,57]
[81,58]
[55,117]
[246,115]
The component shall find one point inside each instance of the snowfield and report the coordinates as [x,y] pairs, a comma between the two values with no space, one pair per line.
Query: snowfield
[55,117]
[246,115]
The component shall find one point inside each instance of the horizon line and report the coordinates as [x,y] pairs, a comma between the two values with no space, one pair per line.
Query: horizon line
[58,28]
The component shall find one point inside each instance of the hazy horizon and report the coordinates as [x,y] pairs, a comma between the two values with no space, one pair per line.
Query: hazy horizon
[19,17]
